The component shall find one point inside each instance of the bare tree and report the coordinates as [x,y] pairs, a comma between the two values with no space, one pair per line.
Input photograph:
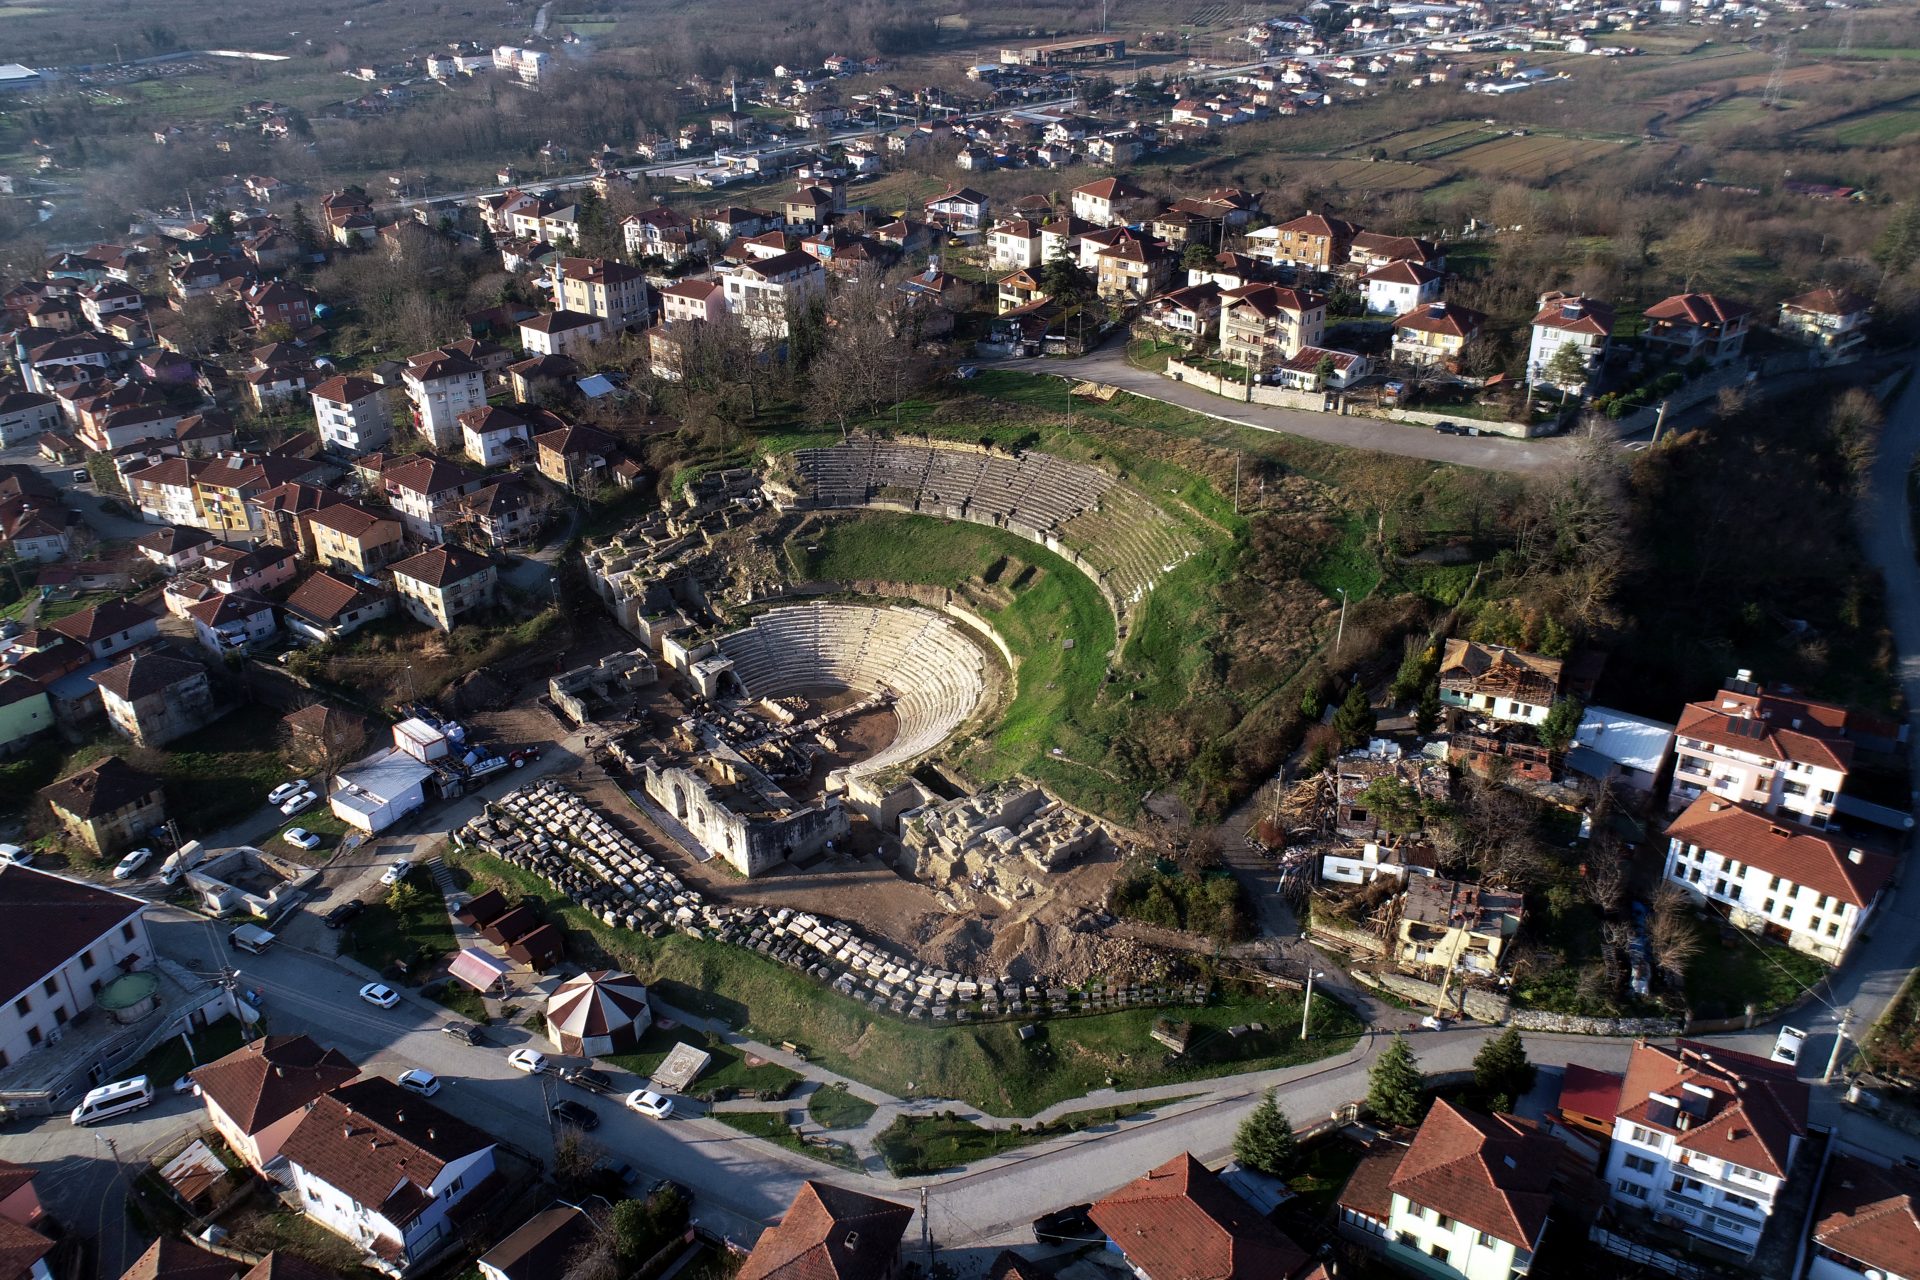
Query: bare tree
[1671,935]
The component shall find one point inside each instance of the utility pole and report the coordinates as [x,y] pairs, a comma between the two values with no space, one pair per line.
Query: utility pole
[926,1231]
[1236,484]
[1306,1008]
[1839,1041]
[1340,634]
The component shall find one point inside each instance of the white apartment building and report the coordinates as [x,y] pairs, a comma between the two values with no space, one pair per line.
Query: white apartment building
[562,333]
[1399,287]
[63,941]
[383,1169]
[1831,321]
[1014,245]
[442,385]
[692,300]
[764,293]
[1704,1138]
[1776,751]
[352,414]
[1567,319]
[1790,882]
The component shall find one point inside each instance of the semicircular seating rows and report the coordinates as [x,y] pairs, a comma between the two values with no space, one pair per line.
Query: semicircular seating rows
[937,675]
[1125,540]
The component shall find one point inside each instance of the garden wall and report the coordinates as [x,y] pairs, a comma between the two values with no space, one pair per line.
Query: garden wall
[1233,389]
[1518,430]
[1701,389]
[1481,1006]
[1573,1024]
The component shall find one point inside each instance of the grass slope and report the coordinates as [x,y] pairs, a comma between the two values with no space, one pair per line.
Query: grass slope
[986,1065]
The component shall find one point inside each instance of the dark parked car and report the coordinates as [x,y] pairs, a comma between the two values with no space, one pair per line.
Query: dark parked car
[579,1115]
[464,1031]
[1071,1225]
[587,1078]
[668,1184]
[345,912]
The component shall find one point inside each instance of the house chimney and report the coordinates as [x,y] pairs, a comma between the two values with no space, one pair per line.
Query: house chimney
[852,1241]
[1856,857]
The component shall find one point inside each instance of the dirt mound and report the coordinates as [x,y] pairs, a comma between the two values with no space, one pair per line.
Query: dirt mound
[478,690]
[1025,949]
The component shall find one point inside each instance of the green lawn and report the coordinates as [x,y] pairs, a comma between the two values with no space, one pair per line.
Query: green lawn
[463,1000]
[1729,974]
[380,937]
[917,1145]
[728,1075]
[985,1064]
[772,1126]
[834,1108]
[170,1060]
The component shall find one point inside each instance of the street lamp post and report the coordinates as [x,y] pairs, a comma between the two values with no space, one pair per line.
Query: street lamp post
[1340,634]
[1306,1009]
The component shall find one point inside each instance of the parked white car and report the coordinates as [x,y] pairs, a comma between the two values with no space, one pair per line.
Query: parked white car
[379,994]
[649,1103]
[12,855]
[299,804]
[1787,1048]
[300,838]
[531,1061]
[287,791]
[420,1081]
[397,872]
[129,866]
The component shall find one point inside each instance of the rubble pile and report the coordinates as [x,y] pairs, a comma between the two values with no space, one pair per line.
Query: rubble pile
[546,829]
[994,842]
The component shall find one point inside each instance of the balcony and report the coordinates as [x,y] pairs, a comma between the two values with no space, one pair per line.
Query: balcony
[1721,1182]
[1719,1223]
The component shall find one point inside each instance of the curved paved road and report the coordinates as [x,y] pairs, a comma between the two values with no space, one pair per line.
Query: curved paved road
[1487,453]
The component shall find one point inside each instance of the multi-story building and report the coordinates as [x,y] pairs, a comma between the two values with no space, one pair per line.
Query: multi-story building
[110,805]
[562,333]
[569,455]
[1312,242]
[1806,887]
[1703,1140]
[1399,287]
[764,293]
[440,584]
[1470,1197]
[1262,325]
[829,1231]
[385,1169]
[1831,321]
[113,626]
[1190,314]
[152,699]
[1133,269]
[493,435]
[259,1093]
[603,287]
[1437,334]
[347,535]
[421,489]
[442,385]
[1110,202]
[61,941]
[325,608]
[1696,326]
[1778,752]
[352,414]
[1014,245]
[961,209]
[688,300]
[1568,320]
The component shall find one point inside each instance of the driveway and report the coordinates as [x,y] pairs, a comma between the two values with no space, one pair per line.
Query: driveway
[1487,453]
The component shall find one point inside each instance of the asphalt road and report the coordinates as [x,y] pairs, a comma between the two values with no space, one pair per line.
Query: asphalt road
[1488,453]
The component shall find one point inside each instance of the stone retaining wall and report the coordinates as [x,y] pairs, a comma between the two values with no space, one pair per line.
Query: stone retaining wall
[1481,1006]
[1572,1024]
[1517,430]
[1230,389]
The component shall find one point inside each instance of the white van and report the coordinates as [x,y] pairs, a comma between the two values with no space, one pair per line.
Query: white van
[250,937]
[114,1099]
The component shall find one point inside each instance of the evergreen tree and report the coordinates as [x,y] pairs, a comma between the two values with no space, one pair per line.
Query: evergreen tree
[1426,716]
[1265,1142]
[1501,1069]
[1562,722]
[1568,368]
[300,227]
[1394,1085]
[1355,721]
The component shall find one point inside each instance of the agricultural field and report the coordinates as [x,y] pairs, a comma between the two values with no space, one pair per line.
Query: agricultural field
[1532,158]
[1884,127]
[1360,176]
